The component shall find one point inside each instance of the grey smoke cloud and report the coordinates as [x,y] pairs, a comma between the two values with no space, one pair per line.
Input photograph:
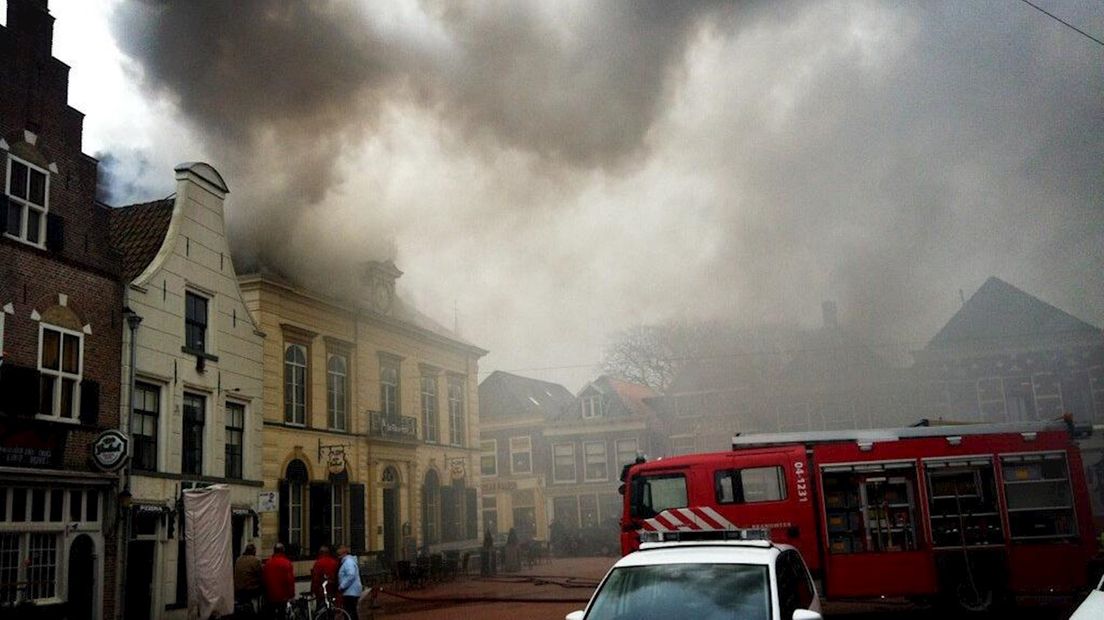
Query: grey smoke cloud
[562,170]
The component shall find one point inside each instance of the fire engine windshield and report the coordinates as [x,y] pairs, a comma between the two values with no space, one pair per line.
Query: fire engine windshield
[652,495]
[699,591]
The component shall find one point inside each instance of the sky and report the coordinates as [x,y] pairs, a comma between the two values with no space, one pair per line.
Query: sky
[549,174]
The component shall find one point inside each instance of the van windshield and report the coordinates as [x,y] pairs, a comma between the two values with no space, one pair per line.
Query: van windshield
[652,495]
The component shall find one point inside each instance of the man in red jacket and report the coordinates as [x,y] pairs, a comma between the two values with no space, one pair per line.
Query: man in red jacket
[325,567]
[279,581]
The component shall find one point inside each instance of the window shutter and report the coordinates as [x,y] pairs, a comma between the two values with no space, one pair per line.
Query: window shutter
[3,213]
[282,521]
[90,402]
[18,390]
[55,233]
[356,517]
[319,514]
[448,517]
[473,516]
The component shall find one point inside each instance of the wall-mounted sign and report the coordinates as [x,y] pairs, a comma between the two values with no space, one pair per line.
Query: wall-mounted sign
[110,450]
[457,469]
[22,444]
[268,501]
[494,486]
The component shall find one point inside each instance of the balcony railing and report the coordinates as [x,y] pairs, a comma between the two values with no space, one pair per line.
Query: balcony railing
[392,427]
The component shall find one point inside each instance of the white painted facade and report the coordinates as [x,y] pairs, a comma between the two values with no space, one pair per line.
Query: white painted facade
[194,257]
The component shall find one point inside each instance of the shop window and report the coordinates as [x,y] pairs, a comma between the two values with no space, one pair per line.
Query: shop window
[750,485]
[871,507]
[1040,501]
[430,419]
[609,506]
[60,365]
[565,510]
[28,566]
[588,510]
[490,513]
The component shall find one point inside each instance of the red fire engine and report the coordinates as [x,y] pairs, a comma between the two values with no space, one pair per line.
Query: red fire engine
[970,512]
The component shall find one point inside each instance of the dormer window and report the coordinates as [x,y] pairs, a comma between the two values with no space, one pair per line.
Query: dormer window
[592,406]
[27,191]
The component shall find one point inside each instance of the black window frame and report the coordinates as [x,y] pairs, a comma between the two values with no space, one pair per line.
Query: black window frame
[144,447]
[235,451]
[193,427]
[196,321]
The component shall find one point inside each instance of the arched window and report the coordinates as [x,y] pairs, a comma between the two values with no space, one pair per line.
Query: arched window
[336,390]
[293,492]
[295,384]
[431,508]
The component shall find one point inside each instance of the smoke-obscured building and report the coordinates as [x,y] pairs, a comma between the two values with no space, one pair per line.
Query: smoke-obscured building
[514,459]
[194,414]
[552,461]
[60,339]
[1007,356]
[371,421]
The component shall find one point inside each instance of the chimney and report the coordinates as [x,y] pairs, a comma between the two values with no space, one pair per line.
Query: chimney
[828,311]
[32,18]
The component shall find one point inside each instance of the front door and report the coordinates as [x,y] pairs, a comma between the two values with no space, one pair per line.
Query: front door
[139,585]
[82,578]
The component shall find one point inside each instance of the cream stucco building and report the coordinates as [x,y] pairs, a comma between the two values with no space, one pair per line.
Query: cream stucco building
[371,424]
[194,396]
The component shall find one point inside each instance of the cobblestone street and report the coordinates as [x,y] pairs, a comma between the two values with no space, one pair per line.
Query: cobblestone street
[556,587]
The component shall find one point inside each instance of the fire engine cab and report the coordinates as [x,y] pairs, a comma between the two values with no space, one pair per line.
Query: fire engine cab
[973,513]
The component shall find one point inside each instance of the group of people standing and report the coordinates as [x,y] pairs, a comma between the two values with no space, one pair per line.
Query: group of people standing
[271,584]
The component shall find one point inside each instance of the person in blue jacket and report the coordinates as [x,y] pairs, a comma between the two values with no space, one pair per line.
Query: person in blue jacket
[348,579]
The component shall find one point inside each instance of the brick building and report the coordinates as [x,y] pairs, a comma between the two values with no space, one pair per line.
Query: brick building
[514,462]
[60,338]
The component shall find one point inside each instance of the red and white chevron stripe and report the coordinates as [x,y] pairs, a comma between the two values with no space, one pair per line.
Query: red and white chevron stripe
[697,518]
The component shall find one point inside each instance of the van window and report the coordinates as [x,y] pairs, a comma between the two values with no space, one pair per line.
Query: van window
[652,495]
[751,485]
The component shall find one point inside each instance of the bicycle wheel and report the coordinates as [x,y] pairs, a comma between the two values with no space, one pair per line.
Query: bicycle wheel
[333,613]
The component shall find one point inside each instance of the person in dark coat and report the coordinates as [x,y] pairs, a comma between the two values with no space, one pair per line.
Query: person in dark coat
[248,586]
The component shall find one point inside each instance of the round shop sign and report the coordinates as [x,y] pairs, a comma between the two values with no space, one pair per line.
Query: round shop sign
[110,450]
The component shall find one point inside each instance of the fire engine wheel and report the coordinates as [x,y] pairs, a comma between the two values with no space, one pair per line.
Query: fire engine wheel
[974,598]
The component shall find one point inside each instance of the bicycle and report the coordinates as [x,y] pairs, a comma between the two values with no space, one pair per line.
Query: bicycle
[299,608]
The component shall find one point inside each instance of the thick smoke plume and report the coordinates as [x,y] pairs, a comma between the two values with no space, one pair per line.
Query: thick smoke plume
[283,92]
[628,163]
